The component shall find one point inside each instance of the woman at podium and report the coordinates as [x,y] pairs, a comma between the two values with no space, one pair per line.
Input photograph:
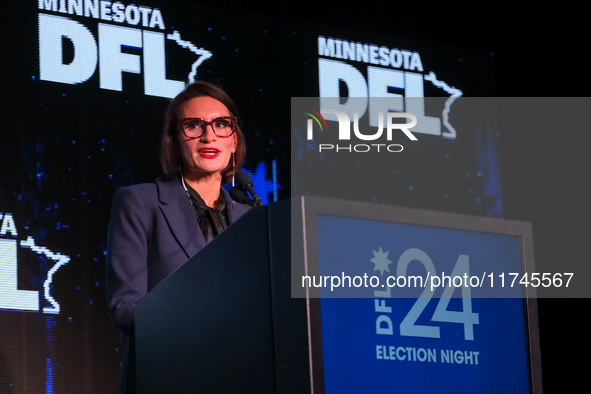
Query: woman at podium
[156,227]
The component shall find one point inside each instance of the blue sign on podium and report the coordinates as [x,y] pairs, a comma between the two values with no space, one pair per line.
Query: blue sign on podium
[414,301]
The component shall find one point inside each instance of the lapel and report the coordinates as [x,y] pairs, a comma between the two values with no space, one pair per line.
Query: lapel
[233,215]
[180,215]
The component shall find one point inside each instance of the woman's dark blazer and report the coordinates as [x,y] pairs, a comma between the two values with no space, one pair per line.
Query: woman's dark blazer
[153,231]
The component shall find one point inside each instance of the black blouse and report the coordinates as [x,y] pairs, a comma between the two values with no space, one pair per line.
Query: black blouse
[212,221]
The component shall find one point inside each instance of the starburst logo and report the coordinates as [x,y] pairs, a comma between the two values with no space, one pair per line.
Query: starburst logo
[381,261]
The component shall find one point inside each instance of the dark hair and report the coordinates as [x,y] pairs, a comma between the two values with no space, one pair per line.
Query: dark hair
[169,148]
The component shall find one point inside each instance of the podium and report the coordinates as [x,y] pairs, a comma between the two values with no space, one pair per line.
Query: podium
[224,322]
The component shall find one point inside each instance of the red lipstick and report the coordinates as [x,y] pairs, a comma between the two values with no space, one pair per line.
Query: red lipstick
[209,152]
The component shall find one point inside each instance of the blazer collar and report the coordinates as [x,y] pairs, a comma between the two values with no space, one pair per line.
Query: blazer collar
[180,215]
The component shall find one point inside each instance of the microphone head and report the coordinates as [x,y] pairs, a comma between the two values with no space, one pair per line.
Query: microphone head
[242,179]
[240,196]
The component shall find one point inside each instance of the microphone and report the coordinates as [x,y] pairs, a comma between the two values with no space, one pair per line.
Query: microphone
[245,183]
[240,196]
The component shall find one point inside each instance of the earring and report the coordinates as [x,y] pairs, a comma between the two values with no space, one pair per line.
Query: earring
[234,169]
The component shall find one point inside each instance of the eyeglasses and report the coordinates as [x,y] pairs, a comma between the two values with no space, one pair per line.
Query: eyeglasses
[195,127]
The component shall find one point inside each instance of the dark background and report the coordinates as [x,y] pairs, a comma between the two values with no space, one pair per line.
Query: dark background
[540,51]
[534,51]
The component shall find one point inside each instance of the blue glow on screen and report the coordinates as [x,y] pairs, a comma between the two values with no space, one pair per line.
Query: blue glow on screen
[356,353]
[265,187]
